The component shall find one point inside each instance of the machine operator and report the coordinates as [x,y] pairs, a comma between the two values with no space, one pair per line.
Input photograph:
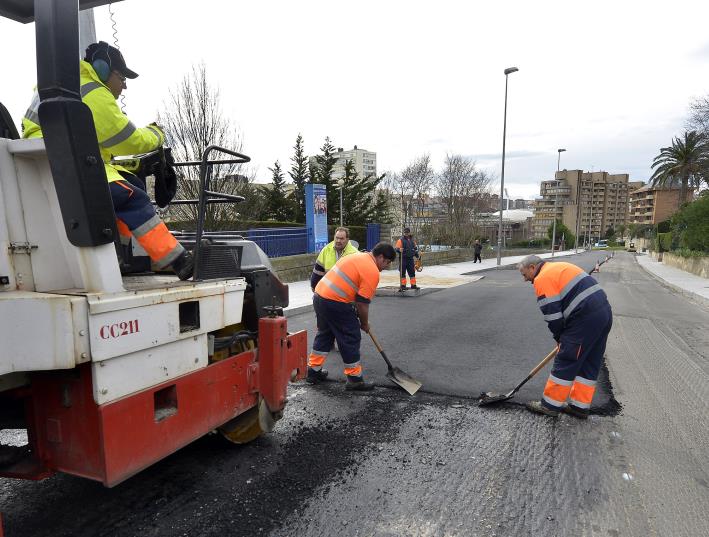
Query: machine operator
[103,75]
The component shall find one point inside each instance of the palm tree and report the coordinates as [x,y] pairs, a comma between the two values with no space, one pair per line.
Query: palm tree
[686,162]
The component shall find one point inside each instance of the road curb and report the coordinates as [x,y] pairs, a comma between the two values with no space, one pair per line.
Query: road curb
[297,310]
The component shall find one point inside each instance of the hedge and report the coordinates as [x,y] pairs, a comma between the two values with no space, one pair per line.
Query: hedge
[530,243]
[664,241]
[229,225]
[357,233]
[690,226]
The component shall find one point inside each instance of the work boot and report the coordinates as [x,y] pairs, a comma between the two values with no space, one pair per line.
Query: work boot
[415,287]
[539,408]
[402,288]
[576,412]
[183,266]
[358,384]
[316,376]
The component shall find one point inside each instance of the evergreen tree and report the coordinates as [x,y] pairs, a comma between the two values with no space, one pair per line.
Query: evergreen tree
[361,202]
[561,231]
[321,173]
[300,174]
[278,206]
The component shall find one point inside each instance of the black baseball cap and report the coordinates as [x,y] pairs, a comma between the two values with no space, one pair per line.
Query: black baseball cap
[111,55]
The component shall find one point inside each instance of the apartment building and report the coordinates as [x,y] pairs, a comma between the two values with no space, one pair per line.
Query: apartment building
[365,162]
[586,202]
[653,204]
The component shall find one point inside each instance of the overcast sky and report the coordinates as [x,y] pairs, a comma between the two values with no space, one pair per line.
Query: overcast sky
[610,81]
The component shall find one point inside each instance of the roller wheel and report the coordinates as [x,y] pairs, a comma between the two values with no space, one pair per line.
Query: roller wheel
[248,426]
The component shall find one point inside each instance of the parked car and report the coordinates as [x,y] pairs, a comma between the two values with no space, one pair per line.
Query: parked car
[601,244]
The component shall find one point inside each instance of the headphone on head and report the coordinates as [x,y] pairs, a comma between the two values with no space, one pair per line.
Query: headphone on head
[102,66]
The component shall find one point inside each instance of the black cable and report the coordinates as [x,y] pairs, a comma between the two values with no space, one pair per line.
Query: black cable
[229,341]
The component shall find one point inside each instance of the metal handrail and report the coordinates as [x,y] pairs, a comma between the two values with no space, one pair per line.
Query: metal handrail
[204,193]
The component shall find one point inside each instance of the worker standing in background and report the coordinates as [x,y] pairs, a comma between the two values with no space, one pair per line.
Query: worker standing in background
[353,280]
[331,254]
[103,74]
[408,249]
[580,318]
[477,250]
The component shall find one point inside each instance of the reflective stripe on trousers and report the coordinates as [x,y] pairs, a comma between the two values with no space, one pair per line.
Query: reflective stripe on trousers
[136,215]
[336,321]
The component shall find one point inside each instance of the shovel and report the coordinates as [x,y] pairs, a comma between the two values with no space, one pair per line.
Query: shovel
[490,398]
[396,375]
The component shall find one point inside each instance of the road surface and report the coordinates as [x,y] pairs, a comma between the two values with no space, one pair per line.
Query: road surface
[436,464]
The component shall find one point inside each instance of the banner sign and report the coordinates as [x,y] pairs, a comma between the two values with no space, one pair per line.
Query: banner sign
[316,216]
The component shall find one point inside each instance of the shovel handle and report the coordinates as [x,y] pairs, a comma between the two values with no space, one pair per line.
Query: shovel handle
[544,362]
[536,370]
[379,348]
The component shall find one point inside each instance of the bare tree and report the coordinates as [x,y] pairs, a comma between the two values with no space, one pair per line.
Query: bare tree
[193,119]
[461,188]
[699,115]
[413,188]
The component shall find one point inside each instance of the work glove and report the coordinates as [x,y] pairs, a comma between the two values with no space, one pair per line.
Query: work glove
[158,130]
[165,180]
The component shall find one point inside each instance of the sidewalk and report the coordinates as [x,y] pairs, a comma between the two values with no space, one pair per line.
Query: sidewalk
[434,276]
[685,283]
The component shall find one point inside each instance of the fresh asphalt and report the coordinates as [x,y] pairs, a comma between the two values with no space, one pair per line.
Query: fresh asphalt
[436,464]
[462,341]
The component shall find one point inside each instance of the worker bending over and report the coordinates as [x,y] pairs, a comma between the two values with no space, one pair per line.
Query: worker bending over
[353,280]
[408,249]
[580,318]
[103,75]
[331,254]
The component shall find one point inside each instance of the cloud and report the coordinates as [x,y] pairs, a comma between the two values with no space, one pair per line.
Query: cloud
[702,53]
[510,155]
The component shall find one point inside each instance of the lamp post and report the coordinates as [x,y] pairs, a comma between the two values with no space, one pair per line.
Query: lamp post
[508,71]
[556,199]
[341,183]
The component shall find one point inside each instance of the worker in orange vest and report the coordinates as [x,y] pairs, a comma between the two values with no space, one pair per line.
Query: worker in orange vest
[408,249]
[353,280]
[580,318]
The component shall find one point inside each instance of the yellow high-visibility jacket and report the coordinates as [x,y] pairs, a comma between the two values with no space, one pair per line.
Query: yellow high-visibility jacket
[117,136]
[327,259]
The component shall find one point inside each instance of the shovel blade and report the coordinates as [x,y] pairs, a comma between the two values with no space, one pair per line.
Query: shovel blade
[408,383]
[490,398]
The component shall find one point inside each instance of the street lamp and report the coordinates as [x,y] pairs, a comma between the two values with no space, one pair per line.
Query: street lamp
[341,183]
[508,71]
[556,199]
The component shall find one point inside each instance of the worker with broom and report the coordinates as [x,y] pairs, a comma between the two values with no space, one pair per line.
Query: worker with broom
[353,280]
[580,318]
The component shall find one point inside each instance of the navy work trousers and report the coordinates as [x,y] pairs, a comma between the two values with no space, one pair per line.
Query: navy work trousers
[407,267]
[337,321]
[582,346]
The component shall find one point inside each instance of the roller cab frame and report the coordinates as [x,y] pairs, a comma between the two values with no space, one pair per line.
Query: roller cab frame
[109,373]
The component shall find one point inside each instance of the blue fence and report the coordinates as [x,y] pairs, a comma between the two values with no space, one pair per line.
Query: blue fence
[373,234]
[280,241]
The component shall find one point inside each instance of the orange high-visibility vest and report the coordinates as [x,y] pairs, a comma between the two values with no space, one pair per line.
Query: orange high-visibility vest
[354,278]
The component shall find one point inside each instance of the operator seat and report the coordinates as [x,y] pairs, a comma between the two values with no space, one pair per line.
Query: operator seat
[7,126]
